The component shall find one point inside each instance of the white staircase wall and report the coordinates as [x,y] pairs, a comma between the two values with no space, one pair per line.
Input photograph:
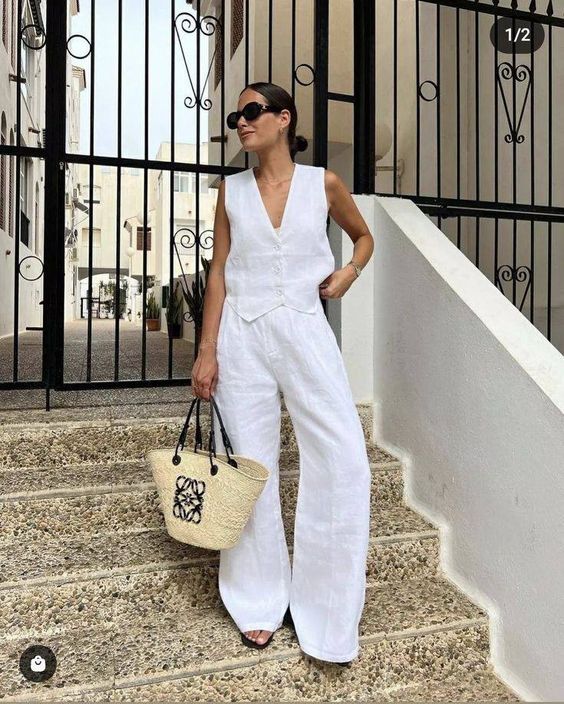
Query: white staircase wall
[471,396]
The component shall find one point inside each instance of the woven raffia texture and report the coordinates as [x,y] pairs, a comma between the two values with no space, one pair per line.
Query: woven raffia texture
[202,509]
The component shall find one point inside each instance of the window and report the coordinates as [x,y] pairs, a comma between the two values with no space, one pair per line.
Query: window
[182,182]
[24,66]
[140,239]
[96,237]
[186,182]
[92,197]
[23,184]
[24,220]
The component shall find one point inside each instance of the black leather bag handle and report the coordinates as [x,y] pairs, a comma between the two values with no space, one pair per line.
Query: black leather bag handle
[176,459]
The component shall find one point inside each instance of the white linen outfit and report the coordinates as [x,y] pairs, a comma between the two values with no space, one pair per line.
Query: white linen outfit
[274,337]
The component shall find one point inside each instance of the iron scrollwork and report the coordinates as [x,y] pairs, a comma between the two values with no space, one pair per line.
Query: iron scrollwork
[188,23]
[509,273]
[187,239]
[518,73]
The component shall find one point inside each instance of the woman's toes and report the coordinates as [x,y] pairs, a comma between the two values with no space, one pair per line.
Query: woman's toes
[263,637]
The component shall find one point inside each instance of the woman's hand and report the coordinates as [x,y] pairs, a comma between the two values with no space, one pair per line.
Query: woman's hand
[337,283]
[205,373]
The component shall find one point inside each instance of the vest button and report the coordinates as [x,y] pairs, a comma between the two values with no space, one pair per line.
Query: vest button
[277,246]
[278,292]
[276,269]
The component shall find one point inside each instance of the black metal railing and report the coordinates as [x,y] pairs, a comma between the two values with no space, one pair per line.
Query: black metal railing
[470,128]
[471,99]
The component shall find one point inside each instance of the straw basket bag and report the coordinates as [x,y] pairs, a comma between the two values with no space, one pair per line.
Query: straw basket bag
[206,501]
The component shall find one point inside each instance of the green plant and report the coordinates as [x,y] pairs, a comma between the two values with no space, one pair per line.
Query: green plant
[153,309]
[174,307]
[195,298]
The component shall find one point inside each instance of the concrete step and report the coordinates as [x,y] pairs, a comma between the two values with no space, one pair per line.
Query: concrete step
[143,410]
[401,544]
[409,631]
[45,481]
[133,615]
[481,685]
[112,440]
[296,679]
[77,593]
[137,507]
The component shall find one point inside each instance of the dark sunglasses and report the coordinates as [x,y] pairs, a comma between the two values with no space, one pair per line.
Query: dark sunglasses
[250,112]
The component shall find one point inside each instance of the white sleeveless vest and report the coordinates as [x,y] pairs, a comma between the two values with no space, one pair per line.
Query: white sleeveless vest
[265,268]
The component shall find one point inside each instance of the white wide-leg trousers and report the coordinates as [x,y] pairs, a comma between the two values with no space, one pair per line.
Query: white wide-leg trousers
[296,353]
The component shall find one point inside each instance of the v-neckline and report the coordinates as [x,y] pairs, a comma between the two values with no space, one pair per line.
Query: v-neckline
[265,211]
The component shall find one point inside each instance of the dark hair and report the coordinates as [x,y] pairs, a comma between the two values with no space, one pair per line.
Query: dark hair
[281,99]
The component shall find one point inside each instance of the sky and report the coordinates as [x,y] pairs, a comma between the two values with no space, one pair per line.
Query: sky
[133,76]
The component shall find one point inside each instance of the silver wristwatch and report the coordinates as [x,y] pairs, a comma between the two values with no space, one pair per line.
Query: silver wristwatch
[357,268]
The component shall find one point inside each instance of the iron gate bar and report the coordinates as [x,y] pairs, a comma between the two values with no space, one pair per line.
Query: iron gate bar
[320,86]
[340,97]
[117,292]
[494,9]
[197,187]
[488,207]
[443,212]
[320,89]
[549,279]
[247,30]
[113,384]
[364,138]
[532,158]
[15,360]
[145,224]
[136,163]
[13,150]
[90,192]
[171,175]
[55,124]
[395,83]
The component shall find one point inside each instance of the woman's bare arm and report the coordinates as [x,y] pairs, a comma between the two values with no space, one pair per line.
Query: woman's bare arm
[215,288]
[344,211]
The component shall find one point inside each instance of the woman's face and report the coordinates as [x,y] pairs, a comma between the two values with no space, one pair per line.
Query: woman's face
[264,131]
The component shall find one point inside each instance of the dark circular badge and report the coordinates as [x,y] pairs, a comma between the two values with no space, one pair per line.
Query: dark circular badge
[38,663]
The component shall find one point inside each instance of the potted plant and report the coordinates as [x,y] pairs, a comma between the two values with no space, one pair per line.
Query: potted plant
[153,315]
[195,300]
[123,299]
[174,313]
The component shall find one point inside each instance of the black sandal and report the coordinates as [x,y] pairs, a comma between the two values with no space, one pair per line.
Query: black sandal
[287,620]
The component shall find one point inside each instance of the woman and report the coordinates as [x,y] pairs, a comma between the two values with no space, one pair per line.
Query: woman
[265,333]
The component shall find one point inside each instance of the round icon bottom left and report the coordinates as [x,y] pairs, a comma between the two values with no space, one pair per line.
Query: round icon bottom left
[38,663]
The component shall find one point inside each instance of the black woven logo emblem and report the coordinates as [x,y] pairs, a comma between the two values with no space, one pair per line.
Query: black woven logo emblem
[189,499]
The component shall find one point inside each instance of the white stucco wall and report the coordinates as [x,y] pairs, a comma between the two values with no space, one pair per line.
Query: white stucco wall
[470,396]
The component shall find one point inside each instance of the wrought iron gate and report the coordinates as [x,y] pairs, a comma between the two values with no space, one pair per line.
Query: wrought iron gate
[446,173]
[74,184]
[476,88]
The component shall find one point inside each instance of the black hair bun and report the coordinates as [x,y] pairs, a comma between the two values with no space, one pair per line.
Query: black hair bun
[300,143]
